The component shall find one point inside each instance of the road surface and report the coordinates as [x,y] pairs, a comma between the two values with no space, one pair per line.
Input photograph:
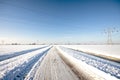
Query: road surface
[54,68]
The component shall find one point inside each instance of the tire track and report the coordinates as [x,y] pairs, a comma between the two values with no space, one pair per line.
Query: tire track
[54,68]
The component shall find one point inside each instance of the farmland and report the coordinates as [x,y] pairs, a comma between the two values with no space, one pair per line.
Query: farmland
[59,62]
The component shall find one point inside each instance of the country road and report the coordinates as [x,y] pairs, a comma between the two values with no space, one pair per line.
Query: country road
[57,63]
[54,68]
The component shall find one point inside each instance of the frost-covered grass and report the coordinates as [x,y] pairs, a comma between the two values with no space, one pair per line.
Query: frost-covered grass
[107,51]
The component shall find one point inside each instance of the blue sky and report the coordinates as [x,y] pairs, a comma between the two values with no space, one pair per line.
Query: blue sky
[58,20]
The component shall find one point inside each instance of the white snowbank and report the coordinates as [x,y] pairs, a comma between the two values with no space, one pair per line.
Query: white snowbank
[88,71]
[10,64]
[112,51]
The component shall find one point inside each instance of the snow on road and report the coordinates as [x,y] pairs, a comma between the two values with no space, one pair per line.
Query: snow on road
[37,62]
[54,68]
[33,70]
[106,51]
[16,68]
[92,64]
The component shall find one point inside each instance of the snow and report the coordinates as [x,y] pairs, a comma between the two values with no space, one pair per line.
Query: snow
[9,68]
[107,66]
[25,65]
[32,72]
[86,69]
[10,49]
[112,51]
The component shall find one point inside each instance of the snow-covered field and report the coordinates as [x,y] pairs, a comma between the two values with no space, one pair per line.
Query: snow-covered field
[9,49]
[106,51]
[20,62]
[96,68]
[17,67]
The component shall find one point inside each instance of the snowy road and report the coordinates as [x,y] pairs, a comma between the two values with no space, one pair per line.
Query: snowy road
[55,63]
[54,68]
[17,67]
[107,66]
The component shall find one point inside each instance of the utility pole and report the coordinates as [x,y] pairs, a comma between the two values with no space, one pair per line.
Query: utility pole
[109,32]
